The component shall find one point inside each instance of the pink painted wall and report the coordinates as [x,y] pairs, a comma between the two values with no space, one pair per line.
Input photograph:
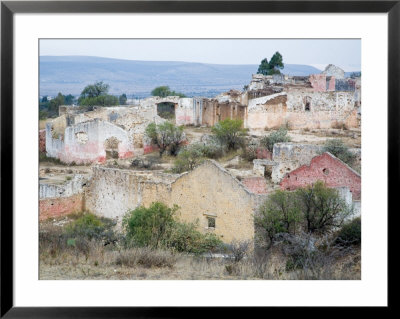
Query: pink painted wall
[328,169]
[332,84]
[318,82]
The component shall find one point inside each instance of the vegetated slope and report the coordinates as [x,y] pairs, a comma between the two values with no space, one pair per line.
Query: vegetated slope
[70,74]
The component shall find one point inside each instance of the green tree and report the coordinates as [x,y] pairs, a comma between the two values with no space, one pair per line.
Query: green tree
[69,99]
[96,94]
[166,136]
[189,157]
[94,90]
[322,207]
[273,67]
[263,68]
[229,133]
[276,63]
[279,213]
[122,99]
[164,91]
[149,226]
[279,136]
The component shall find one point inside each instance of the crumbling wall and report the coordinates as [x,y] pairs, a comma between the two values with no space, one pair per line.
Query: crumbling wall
[56,200]
[328,169]
[333,70]
[60,206]
[85,142]
[289,156]
[184,112]
[267,112]
[69,188]
[113,192]
[42,141]
[209,190]
[209,113]
[318,82]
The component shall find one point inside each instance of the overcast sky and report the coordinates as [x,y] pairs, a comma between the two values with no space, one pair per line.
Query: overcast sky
[343,53]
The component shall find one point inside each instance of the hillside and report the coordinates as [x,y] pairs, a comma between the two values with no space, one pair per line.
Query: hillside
[70,74]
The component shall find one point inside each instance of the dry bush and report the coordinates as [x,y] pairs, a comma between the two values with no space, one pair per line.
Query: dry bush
[145,257]
[339,125]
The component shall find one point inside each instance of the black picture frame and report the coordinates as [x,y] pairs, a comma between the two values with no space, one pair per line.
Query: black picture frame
[9,8]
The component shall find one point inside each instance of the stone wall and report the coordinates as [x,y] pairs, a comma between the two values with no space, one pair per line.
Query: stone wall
[328,169]
[59,199]
[87,142]
[68,188]
[207,191]
[267,112]
[210,190]
[289,156]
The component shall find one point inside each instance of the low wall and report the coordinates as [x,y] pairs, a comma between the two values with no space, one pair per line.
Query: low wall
[61,206]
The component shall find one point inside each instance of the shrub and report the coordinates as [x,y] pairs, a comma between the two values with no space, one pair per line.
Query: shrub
[212,150]
[350,233]
[188,158]
[185,238]
[279,136]
[238,249]
[249,153]
[322,208]
[89,226]
[279,213]
[166,136]
[229,133]
[340,150]
[149,226]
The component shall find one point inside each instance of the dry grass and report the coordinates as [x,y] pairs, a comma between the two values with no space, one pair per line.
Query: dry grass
[142,263]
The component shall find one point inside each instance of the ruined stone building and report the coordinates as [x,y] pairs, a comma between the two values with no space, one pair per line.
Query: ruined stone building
[209,195]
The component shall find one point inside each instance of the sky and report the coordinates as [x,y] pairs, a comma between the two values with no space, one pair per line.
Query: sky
[345,53]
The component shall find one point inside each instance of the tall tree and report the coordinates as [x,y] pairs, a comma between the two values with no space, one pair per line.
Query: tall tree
[273,67]
[276,63]
[263,68]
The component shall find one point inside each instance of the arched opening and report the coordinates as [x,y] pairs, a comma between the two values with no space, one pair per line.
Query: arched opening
[166,110]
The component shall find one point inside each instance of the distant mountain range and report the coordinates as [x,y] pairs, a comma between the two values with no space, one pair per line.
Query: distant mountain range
[70,74]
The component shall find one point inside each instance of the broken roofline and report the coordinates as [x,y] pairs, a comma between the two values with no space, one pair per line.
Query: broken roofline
[176,177]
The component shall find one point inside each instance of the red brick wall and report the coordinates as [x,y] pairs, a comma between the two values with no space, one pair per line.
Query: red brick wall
[42,141]
[328,169]
[257,185]
[57,207]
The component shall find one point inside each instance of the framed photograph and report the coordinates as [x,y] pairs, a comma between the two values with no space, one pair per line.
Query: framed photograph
[162,155]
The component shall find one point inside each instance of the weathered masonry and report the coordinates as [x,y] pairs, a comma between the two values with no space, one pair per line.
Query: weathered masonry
[60,198]
[86,142]
[209,195]
[327,168]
